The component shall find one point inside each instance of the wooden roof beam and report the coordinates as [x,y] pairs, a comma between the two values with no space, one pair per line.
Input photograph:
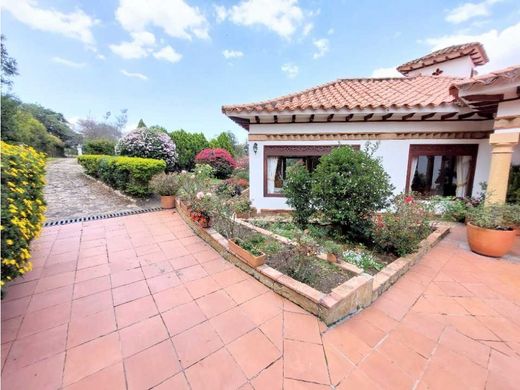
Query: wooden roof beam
[276,119]
[257,119]
[367,117]
[386,116]
[311,118]
[407,116]
[467,115]
[349,117]
[482,97]
[448,116]
[293,119]
[427,116]
[329,118]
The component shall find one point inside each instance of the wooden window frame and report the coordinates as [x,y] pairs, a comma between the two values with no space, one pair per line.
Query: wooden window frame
[417,150]
[294,151]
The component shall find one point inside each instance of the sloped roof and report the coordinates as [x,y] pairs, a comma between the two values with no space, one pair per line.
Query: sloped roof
[366,93]
[474,49]
[511,73]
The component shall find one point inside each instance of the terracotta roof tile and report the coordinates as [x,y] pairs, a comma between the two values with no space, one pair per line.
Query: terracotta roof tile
[405,92]
[474,49]
[511,73]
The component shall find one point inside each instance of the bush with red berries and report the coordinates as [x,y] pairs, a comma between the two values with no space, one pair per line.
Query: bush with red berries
[219,159]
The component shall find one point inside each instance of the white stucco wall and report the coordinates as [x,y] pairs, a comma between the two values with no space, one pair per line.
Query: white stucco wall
[394,153]
[460,67]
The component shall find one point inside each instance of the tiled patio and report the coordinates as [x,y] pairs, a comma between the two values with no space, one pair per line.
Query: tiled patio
[140,302]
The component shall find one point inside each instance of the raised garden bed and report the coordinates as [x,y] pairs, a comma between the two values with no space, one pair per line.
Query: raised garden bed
[347,288]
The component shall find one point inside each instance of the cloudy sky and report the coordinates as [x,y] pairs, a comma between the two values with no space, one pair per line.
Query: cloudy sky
[175,62]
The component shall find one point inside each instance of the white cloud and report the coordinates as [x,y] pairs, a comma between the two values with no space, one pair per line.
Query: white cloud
[140,46]
[322,47]
[232,54]
[386,72]
[281,17]
[134,74]
[168,53]
[69,63]
[502,47]
[330,31]
[100,57]
[77,25]
[175,17]
[307,29]
[468,11]
[290,70]
[220,12]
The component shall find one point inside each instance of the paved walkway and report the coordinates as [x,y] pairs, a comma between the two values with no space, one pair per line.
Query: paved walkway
[140,302]
[69,193]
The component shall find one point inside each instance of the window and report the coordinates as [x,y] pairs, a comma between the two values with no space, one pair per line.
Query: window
[445,170]
[278,158]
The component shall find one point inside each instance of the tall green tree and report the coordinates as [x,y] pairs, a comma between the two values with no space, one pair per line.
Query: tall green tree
[9,65]
[141,124]
[225,140]
[187,146]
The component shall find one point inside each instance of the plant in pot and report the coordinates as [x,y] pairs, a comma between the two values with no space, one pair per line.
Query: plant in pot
[247,249]
[242,208]
[490,229]
[166,185]
[201,208]
[512,217]
[333,250]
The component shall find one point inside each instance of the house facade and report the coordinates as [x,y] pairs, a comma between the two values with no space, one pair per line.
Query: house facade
[440,128]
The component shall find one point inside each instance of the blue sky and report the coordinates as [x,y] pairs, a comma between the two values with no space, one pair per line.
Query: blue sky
[176,62]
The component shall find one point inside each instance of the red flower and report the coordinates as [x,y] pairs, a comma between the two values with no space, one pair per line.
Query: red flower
[409,199]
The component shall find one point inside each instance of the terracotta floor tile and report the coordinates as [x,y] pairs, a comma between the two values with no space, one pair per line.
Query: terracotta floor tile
[177,382]
[504,328]
[48,318]
[142,335]
[246,290]
[19,290]
[44,374]
[92,304]
[217,371]
[92,286]
[215,303]
[181,262]
[42,301]
[215,266]
[504,371]
[292,384]
[172,297]
[368,333]
[206,255]
[305,361]
[92,272]
[36,347]
[348,344]
[416,341]
[126,277]
[358,380]
[273,329]
[388,374]
[271,378]
[151,366]
[472,327]
[231,324]
[404,357]
[88,358]
[263,308]
[391,308]
[156,269]
[10,328]
[192,273]
[229,277]
[253,352]
[135,311]
[199,288]
[16,307]
[91,262]
[163,282]
[83,329]
[338,364]
[130,292]
[109,378]
[183,317]
[292,307]
[429,325]
[453,289]
[463,345]
[301,327]
[196,343]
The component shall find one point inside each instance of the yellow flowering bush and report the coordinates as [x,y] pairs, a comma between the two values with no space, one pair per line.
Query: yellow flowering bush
[23,206]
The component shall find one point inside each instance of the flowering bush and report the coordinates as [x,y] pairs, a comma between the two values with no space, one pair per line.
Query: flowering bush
[23,207]
[128,174]
[362,259]
[203,204]
[165,184]
[148,144]
[219,159]
[400,230]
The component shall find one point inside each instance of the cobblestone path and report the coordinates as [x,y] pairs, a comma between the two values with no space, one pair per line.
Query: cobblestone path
[69,193]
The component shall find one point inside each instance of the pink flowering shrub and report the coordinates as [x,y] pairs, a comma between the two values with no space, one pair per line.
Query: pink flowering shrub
[219,159]
[148,143]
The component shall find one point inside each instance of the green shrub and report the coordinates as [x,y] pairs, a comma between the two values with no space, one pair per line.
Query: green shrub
[165,184]
[297,189]
[401,230]
[100,146]
[450,209]
[131,175]
[349,186]
[494,216]
[188,145]
[513,190]
[23,206]
[363,259]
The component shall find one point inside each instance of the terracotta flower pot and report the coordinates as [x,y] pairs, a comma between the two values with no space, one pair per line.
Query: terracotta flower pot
[200,219]
[489,242]
[242,254]
[332,258]
[168,201]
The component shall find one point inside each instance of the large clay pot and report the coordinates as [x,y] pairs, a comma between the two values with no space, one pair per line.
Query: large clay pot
[168,202]
[489,242]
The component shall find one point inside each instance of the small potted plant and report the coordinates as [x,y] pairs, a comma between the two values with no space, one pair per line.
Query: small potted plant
[247,250]
[490,229]
[201,208]
[166,185]
[242,208]
[333,250]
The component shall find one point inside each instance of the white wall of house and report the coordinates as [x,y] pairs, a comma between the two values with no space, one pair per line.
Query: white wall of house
[394,153]
[459,67]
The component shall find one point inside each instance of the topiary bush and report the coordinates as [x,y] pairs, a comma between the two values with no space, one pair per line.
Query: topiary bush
[219,159]
[297,189]
[100,146]
[131,175]
[349,186]
[147,143]
[23,206]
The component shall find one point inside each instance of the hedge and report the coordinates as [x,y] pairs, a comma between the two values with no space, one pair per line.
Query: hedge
[100,146]
[23,206]
[130,175]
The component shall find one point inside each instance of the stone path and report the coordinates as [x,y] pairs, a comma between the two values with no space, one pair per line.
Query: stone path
[69,193]
[139,302]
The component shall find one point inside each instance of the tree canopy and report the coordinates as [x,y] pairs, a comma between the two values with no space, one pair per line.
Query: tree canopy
[188,145]
[9,65]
